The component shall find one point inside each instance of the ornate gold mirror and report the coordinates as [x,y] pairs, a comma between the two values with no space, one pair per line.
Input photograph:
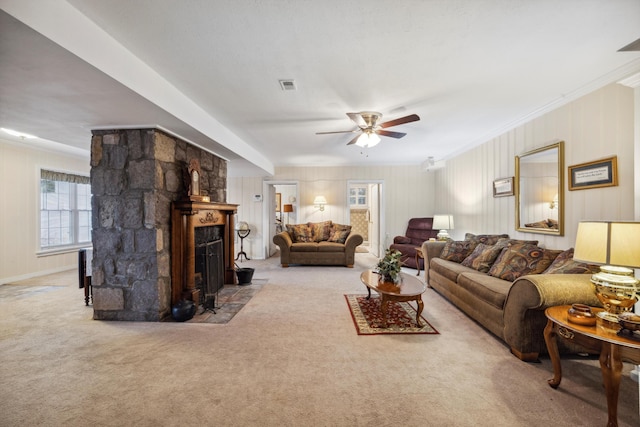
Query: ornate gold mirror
[539,190]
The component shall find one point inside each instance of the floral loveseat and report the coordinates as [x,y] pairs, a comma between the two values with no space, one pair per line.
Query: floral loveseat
[506,285]
[320,243]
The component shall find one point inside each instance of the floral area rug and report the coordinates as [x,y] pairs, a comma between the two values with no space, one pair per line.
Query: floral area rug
[401,317]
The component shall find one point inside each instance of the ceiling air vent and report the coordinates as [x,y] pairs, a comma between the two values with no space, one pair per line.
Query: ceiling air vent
[287,84]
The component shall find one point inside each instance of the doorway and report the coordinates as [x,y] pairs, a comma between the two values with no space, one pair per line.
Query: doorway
[366,216]
[274,215]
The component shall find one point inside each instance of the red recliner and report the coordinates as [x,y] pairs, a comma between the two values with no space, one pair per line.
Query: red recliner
[418,231]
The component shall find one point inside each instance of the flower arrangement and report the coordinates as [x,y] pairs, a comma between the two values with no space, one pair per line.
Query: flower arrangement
[389,266]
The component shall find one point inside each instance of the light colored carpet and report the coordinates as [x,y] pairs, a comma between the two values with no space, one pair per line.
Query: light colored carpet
[290,357]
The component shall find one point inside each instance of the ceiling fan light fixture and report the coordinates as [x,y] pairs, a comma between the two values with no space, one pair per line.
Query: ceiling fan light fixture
[368,140]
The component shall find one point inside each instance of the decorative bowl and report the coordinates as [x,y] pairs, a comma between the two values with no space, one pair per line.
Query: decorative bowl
[581,314]
[629,321]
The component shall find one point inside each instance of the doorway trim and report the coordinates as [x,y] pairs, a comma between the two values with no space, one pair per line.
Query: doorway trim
[381,207]
[268,214]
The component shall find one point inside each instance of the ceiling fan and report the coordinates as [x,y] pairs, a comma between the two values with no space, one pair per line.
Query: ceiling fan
[369,128]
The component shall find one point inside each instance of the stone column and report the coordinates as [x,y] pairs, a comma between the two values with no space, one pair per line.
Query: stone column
[135,175]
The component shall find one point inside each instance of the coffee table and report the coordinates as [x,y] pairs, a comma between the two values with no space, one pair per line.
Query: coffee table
[409,289]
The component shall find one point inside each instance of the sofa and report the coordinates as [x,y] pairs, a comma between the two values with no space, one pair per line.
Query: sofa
[505,285]
[418,231]
[321,243]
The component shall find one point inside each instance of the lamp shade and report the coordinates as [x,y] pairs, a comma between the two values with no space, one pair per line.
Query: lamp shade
[608,243]
[287,208]
[442,222]
[319,200]
[368,140]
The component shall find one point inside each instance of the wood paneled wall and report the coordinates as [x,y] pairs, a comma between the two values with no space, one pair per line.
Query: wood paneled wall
[598,125]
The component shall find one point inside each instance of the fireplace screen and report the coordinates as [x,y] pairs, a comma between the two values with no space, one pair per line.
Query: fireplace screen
[209,265]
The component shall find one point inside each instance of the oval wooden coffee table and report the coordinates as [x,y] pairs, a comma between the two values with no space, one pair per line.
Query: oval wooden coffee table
[409,289]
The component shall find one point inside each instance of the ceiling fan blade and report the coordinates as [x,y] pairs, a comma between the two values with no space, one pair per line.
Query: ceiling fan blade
[400,121]
[391,134]
[353,141]
[357,119]
[340,131]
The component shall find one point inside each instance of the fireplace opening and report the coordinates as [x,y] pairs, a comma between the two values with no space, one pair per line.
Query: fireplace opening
[209,264]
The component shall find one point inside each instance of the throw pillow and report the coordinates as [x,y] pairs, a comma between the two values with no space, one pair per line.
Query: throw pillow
[339,233]
[457,251]
[487,239]
[564,264]
[300,233]
[521,259]
[483,256]
[320,231]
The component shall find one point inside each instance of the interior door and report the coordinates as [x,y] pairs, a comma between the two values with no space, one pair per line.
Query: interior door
[272,248]
[374,219]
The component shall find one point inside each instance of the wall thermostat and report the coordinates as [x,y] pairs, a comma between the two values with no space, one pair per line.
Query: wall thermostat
[257,197]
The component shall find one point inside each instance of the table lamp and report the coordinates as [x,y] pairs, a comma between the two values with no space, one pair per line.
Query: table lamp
[616,247]
[443,223]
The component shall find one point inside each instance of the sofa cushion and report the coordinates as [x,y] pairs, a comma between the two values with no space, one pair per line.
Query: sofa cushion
[320,231]
[339,233]
[304,247]
[487,239]
[448,269]
[457,251]
[487,288]
[564,264]
[522,259]
[483,256]
[330,247]
[300,233]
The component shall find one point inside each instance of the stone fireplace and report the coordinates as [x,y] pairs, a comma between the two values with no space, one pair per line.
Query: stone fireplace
[137,181]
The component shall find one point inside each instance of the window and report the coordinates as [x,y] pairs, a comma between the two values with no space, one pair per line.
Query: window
[65,210]
[358,196]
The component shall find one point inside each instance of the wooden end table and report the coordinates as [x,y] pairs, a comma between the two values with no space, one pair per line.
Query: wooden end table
[612,348]
[419,256]
[411,289]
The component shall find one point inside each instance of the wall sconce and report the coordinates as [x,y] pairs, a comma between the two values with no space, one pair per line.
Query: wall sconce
[319,202]
[554,203]
[443,223]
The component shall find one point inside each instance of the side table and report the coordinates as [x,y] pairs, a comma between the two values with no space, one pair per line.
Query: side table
[612,348]
[419,256]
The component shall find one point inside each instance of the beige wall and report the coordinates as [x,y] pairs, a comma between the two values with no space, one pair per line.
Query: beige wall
[595,126]
[408,192]
[19,198]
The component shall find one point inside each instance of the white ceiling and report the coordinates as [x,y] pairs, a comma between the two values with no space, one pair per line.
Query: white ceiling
[208,70]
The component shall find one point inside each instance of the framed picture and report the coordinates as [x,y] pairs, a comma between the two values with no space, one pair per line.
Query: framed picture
[599,173]
[503,187]
[278,202]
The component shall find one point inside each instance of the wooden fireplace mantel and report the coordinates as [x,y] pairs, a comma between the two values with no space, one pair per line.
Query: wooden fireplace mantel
[186,216]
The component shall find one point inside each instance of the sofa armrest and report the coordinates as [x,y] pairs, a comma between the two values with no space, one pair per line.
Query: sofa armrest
[353,240]
[529,296]
[431,249]
[284,242]
[401,240]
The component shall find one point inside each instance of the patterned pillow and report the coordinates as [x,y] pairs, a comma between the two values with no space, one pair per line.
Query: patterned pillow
[339,233]
[483,256]
[320,231]
[522,259]
[457,251]
[487,239]
[300,233]
[564,264]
